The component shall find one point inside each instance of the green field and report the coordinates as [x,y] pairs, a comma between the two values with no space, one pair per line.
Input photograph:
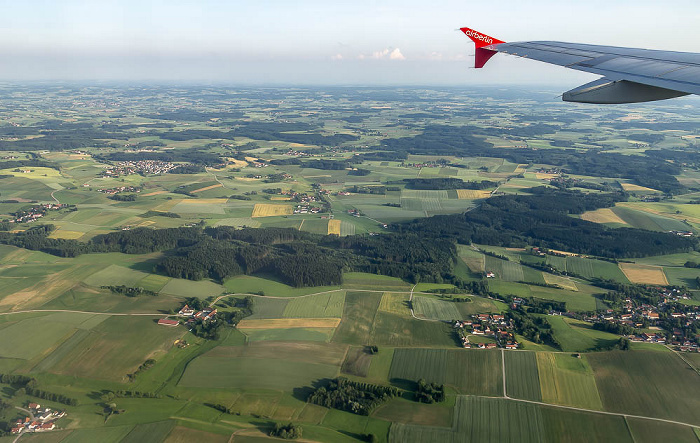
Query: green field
[112,434]
[116,347]
[152,432]
[522,376]
[248,284]
[293,334]
[506,270]
[434,309]
[648,383]
[567,380]
[316,306]
[264,365]
[476,372]
[477,305]
[264,307]
[589,268]
[479,420]
[358,318]
[647,431]
[576,336]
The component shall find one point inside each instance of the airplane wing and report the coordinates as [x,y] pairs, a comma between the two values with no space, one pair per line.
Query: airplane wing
[630,75]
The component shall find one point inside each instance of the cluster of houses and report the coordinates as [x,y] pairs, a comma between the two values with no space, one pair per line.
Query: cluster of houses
[487,325]
[139,167]
[205,315]
[118,189]
[647,315]
[430,164]
[35,212]
[41,420]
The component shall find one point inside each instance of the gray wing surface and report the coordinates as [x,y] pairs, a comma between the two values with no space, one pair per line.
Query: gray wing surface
[669,70]
[629,75]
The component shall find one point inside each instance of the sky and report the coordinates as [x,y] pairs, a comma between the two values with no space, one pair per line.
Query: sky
[313,42]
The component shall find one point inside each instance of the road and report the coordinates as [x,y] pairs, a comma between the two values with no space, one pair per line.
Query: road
[31,416]
[83,312]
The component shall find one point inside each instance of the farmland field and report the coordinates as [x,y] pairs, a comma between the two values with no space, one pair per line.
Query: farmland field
[290,334]
[316,306]
[603,215]
[476,372]
[506,270]
[116,347]
[282,323]
[358,317]
[434,309]
[567,380]
[576,336]
[477,305]
[590,268]
[479,419]
[644,273]
[632,382]
[265,366]
[394,303]
[267,210]
[522,376]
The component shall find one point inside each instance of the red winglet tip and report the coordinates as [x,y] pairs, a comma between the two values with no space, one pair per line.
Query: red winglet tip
[479,39]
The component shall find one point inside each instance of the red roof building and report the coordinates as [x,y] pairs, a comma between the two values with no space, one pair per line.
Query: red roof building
[168,322]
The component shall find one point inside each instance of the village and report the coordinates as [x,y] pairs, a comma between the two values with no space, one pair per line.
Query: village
[39,420]
[35,212]
[118,189]
[486,325]
[140,167]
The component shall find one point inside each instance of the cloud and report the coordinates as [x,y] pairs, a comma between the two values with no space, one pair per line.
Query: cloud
[337,57]
[384,54]
[396,55]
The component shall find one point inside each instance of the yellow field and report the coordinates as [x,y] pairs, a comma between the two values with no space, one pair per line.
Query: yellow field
[153,193]
[167,205]
[520,169]
[394,303]
[633,187]
[560,385]
[475,264]
[284,199]
[334,227]
[38,173]
[565,283]
[284,323]
[68,235]
[265,210]
[545,176]
[470,194]
[644,273]
[218,185]
[205,201]
[602,215]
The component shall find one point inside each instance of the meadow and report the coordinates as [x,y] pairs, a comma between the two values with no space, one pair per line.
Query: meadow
[475,372]
[656,384]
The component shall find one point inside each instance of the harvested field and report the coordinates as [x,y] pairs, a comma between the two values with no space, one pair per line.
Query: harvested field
[602,215]
[206,188]
[563,282]
[395,304]
[150,194]
[357,361]
[470,194]
[644,273]
[630,187]
[68,235]
[267,210]
[334,227]
[280,323]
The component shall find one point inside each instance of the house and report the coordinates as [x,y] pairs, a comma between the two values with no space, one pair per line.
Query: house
[511,346]
[34,406]
[186,311]
[490,275]
[45,427]
[168,322]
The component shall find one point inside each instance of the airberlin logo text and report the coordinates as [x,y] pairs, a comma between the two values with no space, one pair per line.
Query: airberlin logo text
[476,36]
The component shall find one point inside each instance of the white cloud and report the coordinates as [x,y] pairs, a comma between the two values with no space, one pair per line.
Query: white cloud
[337,57]
[380,54]
[396,55]
[384,54]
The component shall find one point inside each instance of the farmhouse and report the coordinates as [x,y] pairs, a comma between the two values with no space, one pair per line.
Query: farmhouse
[186,311]
[168,322]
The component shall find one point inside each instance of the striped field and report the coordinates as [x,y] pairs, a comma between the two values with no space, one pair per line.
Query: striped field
[267,210]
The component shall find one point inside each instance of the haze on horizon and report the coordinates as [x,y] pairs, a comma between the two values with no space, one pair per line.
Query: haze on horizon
[313,42]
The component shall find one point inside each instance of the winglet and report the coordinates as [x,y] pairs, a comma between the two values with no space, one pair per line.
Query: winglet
[480,41]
